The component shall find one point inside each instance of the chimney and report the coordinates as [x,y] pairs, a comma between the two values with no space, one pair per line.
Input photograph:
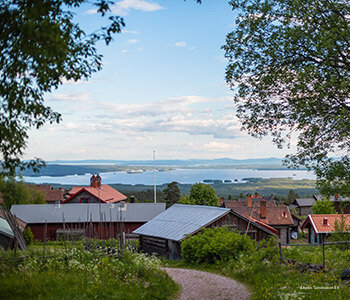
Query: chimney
[284,214]
[336,196]
[132,199]
[256,195]
[98,181]
[93,181]
[325,221]
[222,202]
[249,200]
[263,208]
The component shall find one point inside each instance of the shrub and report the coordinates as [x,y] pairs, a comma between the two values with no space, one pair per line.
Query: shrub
[214,245]
[28,235]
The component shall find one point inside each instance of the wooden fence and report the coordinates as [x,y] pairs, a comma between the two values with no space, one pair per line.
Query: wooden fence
[310,245]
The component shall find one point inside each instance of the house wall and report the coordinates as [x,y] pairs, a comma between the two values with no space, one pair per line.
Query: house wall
[104,230]
[342,207]
[5,241]
[304,210]
[78,198]
[284,233]
[152,245]
[254,232]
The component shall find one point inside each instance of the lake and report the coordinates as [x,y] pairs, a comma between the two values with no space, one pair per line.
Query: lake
[180,175]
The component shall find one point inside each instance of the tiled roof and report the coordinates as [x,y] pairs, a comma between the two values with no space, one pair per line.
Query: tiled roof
[41,187]
[324,223]
[105,193]
[53,196]
[275,215]
[304,202]
[243,202]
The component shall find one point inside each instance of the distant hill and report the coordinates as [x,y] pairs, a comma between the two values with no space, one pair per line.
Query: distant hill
[174,162]
[81,167]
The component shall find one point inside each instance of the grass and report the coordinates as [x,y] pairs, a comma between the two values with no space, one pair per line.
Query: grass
[267,278]
[82,275]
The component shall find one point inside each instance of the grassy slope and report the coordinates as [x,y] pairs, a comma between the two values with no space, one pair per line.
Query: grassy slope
[268,280]
[83,276]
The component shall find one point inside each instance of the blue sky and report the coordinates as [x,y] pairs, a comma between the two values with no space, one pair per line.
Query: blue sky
[162,88]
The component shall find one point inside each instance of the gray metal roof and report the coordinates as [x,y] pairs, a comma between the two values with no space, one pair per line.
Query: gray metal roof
[5,228]
[305,201]
[179,220]
[73,213]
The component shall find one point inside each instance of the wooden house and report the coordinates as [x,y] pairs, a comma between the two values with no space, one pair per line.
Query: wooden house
[52,196]
[164,234]
[95,193]
[303,206]
[319,226]
[266,212]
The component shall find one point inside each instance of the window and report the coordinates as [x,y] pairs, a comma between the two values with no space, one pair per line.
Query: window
[84,200]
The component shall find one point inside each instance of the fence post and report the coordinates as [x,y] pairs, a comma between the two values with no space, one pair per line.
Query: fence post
[280,251]
[45,232]
[324,261]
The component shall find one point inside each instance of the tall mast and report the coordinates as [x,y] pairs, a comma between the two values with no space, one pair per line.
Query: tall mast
[154,165]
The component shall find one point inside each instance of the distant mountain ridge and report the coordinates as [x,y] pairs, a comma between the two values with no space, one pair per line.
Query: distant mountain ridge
[175,162]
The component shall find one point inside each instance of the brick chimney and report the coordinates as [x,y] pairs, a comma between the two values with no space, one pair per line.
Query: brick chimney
[256,195]
[336,196]
[284,214]
[98,181]
[263,208]
[93,181]
[249,200]
[325,221]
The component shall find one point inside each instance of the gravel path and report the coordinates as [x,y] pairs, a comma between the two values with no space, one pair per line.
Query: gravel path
[199,285]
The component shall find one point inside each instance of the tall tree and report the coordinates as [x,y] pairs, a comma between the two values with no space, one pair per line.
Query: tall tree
[323,207]
[172,193]
[40,46]
[14,191]
[291,196]
[201,194]
[289,62]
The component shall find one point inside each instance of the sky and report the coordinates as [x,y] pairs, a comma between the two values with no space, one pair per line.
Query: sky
[162,88]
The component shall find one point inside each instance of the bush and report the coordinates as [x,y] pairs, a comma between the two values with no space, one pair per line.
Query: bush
[215,245]
[28,235]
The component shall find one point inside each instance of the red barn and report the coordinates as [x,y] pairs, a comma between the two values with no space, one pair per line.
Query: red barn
[94,220]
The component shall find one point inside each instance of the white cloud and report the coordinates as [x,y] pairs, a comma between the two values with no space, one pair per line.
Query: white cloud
[178,44]
[168,106]
[77,97]
[219,147]
[130,31]
[122,8]
[133,41]
[124,51]
[65,81]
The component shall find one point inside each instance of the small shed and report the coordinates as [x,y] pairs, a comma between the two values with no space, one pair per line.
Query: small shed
[6,234]
[164,234]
